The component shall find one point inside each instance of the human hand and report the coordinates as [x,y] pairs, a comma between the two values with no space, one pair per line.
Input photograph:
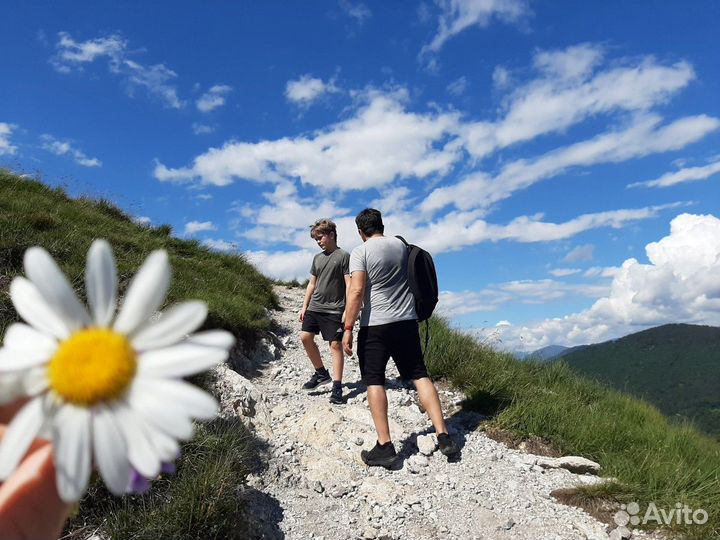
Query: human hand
[347,342]
[30,506]
[302,314]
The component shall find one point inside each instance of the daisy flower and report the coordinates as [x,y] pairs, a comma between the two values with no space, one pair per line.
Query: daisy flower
[105,388]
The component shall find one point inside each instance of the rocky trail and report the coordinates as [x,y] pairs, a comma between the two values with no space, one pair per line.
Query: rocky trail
[316,486]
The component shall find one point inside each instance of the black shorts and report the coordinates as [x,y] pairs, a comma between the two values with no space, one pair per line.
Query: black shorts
[328,324]
[401,340]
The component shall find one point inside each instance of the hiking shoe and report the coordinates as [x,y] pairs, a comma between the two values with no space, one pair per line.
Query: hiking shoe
[318,378]
[336,395]
[447,445]
[382,455]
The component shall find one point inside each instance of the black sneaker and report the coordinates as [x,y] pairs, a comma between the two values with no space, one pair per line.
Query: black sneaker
[318,378]
[382,455]
[447,445]
[336,395]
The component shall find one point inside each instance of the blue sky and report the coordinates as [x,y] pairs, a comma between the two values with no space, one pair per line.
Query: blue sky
[560,159]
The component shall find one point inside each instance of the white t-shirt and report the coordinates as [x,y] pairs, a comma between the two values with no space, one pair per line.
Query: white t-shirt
[387,295]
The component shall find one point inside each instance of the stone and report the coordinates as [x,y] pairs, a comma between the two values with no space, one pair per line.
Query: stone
[426,445]
[574,464]
[369,533]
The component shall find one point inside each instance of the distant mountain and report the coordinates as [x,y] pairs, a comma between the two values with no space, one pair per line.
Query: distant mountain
[551,352]
[676,367]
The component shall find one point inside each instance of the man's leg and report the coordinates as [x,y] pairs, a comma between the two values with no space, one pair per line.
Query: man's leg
[431,403]
[338,360]
[311,348]
[377,399]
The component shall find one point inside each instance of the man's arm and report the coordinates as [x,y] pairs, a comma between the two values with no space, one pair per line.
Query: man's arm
[355,295]
[308,295]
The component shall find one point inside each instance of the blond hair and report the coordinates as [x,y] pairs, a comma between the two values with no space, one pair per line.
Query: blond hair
[323,226]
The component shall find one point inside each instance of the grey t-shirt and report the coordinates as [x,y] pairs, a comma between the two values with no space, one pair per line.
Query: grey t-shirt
[330,270]
[387,295]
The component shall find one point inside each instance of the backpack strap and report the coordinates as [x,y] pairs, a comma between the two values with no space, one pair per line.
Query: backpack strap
[403,240]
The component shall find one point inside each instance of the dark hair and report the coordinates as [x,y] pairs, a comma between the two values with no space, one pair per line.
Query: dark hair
[323,226]
[369,221]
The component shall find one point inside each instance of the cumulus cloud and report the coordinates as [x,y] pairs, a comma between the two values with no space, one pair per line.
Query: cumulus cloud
[357,10]
[155,79]
[194,227]
[217,244]
[584,252]
[6,148]
[380,143]
[213,98]
[689,174]
[283,265]
[678,284]
[457,15]
[64,147]
[307,89]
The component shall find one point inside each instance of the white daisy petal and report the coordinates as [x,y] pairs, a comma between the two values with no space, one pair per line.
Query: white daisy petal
[11,387]
[72,451]
[146,293]
[167,448]
[34,310]
[173,325]
[20,434]
[52,284]
[110,450]
[141,452]
[157,412]
[180,360]
[35,381]
[101,282]
[22,337]
[213,338]
[12,360]
[187,398]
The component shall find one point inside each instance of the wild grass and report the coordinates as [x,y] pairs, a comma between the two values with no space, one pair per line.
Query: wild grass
[652,459]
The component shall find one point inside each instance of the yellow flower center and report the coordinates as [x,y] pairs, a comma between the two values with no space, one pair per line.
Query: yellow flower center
[95,364]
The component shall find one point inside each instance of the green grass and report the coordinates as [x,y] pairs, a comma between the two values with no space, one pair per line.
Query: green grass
[32,214]
[653,459]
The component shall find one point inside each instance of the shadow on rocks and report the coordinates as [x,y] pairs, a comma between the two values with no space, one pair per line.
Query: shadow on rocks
[263,514]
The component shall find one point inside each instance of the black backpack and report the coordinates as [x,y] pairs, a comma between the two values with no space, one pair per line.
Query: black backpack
[422,280]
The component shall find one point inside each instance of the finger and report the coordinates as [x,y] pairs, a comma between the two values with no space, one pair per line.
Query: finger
[31,492]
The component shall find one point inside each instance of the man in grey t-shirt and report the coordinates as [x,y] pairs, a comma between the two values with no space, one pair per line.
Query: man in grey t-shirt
[388,328]
[324,305]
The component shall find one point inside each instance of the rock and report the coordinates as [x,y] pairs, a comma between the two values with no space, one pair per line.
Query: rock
[574,464]
[317,486]
[507,524]
[620,533]
[369,533]
[486,519]
[426,445]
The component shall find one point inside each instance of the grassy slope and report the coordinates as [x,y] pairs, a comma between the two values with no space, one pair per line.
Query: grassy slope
[675,367]
[652,459]
[200,501]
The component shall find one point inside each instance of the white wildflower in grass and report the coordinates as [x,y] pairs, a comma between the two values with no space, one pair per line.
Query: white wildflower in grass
[106,389]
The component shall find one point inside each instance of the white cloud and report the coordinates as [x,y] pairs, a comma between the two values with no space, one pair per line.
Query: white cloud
[284,265]
[213,98]
[357,10]
[501,78]
[64,147]
[458,86]
[580,253]
[220,245]
[6,148]
[307,89]
[457,15]
[569,90]
[689,174]
[563,272]
[380,143]
[194,227]
[155,79]
[202,129]
[142,220]
[679,284]
[644,136]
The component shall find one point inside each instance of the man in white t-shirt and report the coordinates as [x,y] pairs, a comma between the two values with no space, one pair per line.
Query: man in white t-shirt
[388,328]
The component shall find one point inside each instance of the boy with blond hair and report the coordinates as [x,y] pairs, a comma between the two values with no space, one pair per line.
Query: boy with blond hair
[324,305]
